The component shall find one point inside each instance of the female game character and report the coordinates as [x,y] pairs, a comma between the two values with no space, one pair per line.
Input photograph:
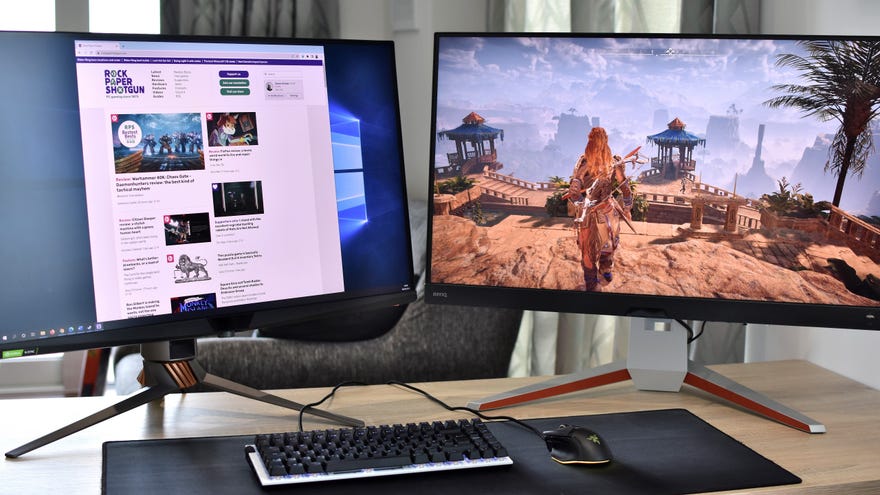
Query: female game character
[224,130]
[598,213]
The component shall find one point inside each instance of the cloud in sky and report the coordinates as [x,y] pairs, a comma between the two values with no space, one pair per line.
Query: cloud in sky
[620,80]
[555,71]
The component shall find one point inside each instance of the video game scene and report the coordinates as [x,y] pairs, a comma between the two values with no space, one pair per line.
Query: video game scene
[737,169]
[199,302]
[157,142]
[187,229]
[232,129]
[237,198]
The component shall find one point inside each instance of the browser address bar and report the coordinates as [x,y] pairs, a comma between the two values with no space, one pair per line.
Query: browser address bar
[200,54]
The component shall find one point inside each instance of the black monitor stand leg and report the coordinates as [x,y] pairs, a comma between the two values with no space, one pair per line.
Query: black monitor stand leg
[230,386]
[164,377]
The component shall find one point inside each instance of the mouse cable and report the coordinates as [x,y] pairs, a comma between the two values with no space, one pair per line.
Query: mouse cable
[426,395]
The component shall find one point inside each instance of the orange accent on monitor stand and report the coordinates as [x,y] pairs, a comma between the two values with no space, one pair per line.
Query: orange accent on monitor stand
[657,360]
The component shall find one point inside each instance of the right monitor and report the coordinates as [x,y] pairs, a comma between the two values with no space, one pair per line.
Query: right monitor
[692,177]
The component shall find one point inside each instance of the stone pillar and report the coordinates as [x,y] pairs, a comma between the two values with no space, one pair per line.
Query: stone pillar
[697,213]
[730,218]
[443,204]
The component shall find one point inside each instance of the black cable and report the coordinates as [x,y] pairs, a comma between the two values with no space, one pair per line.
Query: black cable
[325,399]
[690,331]
[695,337]
[426,395]
[468,409]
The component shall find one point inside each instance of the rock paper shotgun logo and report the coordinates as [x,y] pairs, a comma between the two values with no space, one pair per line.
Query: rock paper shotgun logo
[117,82]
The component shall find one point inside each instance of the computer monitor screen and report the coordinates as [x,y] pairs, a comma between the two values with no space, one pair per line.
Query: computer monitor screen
[693,177]
[160,188]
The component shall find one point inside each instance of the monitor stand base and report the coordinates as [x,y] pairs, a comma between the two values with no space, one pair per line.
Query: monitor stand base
[657,360]
[164,374]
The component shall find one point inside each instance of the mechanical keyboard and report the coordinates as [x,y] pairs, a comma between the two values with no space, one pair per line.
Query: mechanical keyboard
[324,455]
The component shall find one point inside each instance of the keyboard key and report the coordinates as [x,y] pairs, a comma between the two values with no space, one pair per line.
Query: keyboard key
[368,463]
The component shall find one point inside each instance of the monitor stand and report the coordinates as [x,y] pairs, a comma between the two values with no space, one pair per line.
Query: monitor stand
[657,360]
[171,367]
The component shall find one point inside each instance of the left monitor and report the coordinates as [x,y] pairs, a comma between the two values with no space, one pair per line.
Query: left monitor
[159,188]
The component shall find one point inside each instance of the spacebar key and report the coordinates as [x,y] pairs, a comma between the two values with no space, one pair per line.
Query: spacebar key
[368,463]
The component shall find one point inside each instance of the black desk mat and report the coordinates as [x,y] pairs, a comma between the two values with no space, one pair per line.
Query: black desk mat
[655,452]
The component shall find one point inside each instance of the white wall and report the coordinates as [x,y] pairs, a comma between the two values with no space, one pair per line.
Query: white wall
[820,17]
[852,353]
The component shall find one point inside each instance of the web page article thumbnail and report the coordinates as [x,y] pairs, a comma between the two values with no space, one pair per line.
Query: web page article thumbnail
[157,142]
[238,198]
[190,228]
[188,268]
[232,129]
[197,302]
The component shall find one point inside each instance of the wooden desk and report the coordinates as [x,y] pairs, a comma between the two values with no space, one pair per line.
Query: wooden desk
[846,459]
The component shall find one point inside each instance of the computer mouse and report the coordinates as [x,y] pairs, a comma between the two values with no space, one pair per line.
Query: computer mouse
[570,444]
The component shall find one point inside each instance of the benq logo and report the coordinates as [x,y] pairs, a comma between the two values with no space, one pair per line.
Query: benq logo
[440,294]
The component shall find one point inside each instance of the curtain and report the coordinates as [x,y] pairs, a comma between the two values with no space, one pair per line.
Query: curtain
[634,16]
[271,18]
[557,343]
[560,343]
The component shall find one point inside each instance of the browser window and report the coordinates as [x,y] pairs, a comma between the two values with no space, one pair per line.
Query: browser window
[209,175]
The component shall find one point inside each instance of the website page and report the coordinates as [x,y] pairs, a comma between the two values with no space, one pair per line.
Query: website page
[209,175]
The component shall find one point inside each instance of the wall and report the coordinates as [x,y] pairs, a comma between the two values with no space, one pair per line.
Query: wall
[820,16]
[72,15]
[852,353]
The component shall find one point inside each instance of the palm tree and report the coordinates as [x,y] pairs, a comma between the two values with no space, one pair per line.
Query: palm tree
[842,83]
[558,182]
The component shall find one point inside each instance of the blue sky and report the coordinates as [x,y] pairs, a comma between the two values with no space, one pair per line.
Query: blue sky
[522,83]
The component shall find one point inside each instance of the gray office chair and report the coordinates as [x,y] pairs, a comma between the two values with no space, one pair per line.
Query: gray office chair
[427,343]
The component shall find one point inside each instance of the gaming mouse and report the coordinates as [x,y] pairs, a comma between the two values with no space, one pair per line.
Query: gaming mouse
[571,444]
